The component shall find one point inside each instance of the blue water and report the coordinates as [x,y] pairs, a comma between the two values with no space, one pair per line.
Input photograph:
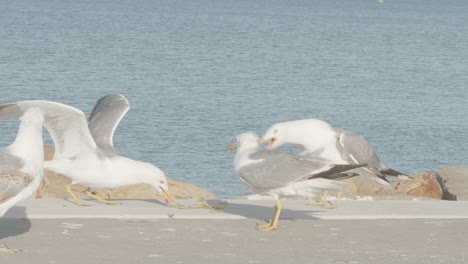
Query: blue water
[197,73]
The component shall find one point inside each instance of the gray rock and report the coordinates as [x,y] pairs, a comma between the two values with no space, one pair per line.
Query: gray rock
[454,182]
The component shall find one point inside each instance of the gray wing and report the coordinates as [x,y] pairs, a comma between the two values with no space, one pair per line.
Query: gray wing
[12,183]
[106,115]
[66,125]
[356,149]
[275,169]
[8,161]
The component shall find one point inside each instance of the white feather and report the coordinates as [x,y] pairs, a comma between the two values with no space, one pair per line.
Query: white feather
[78,157]
[28,147]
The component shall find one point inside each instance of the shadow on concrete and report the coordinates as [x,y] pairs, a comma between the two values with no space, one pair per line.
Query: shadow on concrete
[15,222]
[251,210]
[255,211]
[262,212]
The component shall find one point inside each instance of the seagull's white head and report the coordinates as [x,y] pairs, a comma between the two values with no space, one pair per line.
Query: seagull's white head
[311,134]
[153,176]
[245,140]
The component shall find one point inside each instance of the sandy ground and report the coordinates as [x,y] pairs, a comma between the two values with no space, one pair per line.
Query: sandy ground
[388,232]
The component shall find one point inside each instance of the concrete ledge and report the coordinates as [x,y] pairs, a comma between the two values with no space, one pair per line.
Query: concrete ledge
[240,209]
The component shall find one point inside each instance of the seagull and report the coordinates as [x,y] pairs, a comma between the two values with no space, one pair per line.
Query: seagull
[85,153]
[318,138]
[280,174]
[21,163]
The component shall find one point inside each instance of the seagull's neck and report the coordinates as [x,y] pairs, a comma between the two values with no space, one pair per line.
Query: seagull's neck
[28,144]
[242,156]
[330,153]
[313,141]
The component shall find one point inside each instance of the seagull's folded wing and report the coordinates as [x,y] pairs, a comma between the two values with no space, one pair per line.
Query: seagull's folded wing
[11,183]
[276,169]
[8,161]
[356,149]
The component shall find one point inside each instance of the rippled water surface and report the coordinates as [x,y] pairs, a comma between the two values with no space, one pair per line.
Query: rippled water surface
[197,73]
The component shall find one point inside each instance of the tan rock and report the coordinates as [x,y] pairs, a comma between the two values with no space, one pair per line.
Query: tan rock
[422,184]
[54,186]
[48,152]
[362,185]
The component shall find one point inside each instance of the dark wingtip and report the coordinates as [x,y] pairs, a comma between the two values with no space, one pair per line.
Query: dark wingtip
[392,173]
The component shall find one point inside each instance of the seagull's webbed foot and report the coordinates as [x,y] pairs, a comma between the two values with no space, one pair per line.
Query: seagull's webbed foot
[267,228]
[99,199]
[337,203]
[77,201]
[322,202]
[6,249]
[264,225]
[273,224]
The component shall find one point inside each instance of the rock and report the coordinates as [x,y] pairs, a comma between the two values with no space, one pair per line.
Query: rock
[454,181]
[362,185]
[54,186]
[422,184]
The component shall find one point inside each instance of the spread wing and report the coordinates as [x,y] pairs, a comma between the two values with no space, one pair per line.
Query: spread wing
[104,119]
[66,125]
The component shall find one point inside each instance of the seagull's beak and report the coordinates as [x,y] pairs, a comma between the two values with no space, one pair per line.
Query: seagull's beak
[270,144]
[261,141]
[233,147]
[167,195]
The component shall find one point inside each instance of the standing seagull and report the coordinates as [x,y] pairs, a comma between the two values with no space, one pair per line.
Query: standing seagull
[281,174]
[21,163]
[319,139]
[86,155]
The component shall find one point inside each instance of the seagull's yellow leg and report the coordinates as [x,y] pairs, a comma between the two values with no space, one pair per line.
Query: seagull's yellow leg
[78,202]
[6,249]
[322,202]
[274,220]
[99,199]
[336,205]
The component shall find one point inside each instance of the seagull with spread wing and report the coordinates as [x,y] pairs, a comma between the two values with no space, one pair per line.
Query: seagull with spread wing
[85,152]
[21,163]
